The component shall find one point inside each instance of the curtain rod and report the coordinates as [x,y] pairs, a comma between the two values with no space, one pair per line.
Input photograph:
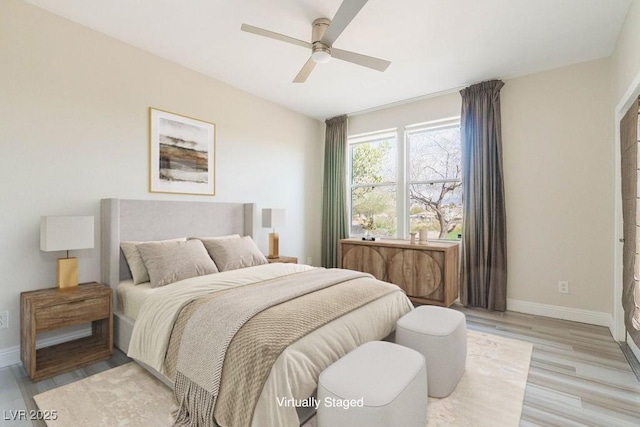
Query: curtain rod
[418,98]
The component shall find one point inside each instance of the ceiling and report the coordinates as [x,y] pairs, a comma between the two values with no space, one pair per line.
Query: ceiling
[433,45]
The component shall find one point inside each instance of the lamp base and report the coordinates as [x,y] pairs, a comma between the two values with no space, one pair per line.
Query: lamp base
[273,246]
[67,274]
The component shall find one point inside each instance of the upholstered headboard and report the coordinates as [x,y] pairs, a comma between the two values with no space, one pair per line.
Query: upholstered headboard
[144,220]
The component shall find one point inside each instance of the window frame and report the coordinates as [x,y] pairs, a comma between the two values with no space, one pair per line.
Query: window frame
[403,181]
[418,128]
[367,138]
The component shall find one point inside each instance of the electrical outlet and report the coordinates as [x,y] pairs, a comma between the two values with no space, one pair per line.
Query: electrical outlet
[563,286]
[4,319]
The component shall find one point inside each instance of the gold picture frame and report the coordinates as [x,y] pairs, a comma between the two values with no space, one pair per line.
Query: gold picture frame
[182,153]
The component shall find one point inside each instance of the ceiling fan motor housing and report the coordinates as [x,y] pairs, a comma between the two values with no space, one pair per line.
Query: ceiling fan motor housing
[320,52]
[318,29]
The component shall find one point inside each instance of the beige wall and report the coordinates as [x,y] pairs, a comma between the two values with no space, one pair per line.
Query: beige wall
[74,129]
[558,169]
[558,179]
[405,114]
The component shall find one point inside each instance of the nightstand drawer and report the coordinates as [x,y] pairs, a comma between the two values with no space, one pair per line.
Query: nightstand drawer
[72,313]
[283,259]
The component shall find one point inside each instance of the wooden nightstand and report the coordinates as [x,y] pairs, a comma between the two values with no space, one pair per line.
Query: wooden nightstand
[285,259]
[48,309]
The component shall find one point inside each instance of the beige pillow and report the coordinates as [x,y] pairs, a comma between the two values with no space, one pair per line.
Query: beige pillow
[138,270]
[174,261]
[231,254]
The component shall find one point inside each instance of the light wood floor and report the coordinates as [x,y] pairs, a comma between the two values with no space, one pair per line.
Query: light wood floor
[578,374]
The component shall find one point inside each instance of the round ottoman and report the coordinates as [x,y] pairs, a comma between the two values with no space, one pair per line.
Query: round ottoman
[379,384]
[440,334]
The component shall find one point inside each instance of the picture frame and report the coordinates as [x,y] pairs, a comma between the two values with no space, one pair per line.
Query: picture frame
[182,153]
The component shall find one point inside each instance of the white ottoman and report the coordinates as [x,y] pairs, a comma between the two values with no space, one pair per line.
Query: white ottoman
[382,384]
[440,334]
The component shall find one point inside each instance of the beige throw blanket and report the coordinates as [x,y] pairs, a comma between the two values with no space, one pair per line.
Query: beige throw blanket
[158,314]
[202,375]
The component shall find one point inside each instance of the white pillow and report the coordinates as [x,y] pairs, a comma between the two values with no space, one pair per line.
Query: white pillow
[230,236]
[174,261]
[138,270]
[231,254]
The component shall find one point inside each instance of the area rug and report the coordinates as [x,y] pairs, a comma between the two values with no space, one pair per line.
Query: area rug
[490,392]
[124,396]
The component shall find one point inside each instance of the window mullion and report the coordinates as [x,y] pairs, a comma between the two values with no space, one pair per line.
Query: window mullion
[402,201]
[435,181]
[374,184]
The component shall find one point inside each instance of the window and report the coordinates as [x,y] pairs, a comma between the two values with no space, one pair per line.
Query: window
[397,187]
[434,181]
[373,161]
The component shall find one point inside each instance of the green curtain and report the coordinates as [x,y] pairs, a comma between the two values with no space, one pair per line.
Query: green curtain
[334,202]
[484,229]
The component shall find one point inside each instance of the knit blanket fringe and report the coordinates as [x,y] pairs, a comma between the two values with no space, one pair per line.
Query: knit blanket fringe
[195,405]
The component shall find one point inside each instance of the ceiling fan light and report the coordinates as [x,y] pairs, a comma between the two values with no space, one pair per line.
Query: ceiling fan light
[321,55]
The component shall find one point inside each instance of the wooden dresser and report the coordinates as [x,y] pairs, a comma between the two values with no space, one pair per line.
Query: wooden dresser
[428,273]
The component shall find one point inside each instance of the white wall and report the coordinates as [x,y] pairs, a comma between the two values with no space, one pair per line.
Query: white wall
[74,129]
[626,56]
[558,181]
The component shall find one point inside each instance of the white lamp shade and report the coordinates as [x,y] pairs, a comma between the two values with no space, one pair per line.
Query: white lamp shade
[65,233]
[273,218]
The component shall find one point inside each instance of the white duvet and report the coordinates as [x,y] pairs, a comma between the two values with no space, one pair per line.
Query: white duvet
[295,372]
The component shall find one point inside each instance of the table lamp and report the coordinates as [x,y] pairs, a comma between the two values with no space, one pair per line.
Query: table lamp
[273,218]
[66,233]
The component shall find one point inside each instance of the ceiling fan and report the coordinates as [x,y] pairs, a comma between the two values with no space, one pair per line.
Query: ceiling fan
[324,33]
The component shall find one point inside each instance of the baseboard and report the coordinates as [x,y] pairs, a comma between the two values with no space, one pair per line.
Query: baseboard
[564,313]
[11,355]
[634,348]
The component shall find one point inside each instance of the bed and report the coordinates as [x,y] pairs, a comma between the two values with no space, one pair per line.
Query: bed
[292,377]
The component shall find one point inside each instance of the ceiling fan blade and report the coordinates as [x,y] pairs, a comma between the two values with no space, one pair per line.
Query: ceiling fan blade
[345,14]
[359,59]
[277,36]
[305,71]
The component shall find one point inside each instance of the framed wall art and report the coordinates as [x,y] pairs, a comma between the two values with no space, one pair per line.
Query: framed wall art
[181,154]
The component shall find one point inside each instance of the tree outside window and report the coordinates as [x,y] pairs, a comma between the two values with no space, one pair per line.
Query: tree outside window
[373,187]
[435,185]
